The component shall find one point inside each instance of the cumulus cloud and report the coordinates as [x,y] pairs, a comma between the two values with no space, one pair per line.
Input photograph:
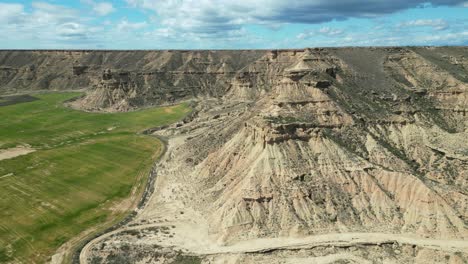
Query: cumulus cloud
[9,13]
[215,16]
[330,31]
[44,14]
[383,39]
[220,23]
[100,8]
[437,24]
[125,25]
[73,30]
[45,25]
[76,31]
[103,9]
[324,31]
[42,17]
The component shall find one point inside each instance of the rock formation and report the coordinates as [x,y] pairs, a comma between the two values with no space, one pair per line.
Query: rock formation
[287,144]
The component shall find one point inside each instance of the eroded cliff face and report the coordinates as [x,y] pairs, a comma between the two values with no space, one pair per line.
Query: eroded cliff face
[340,141]
[123,80]
[289,143]
[303,144]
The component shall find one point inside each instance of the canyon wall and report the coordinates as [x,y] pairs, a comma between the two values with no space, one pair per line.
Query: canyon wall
[123,80]
[286,143]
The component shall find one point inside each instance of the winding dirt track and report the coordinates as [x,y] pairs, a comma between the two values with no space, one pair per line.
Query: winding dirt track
[271,244]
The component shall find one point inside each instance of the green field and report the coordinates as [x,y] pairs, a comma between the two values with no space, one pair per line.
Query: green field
[85,164]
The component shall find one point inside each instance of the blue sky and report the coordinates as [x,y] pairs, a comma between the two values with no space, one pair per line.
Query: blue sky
[239,24]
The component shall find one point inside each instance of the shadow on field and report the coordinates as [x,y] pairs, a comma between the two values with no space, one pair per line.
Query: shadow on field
[16,99]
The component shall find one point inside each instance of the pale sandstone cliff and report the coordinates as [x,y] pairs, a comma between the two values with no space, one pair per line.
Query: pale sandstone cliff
[287,144]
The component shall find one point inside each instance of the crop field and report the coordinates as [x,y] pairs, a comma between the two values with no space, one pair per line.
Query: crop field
[84,167]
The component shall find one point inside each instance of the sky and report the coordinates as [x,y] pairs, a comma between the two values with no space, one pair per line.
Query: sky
[230,24]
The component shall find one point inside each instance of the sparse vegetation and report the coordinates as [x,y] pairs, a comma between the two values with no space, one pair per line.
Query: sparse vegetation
[182,259]
[84,165]
[96,260]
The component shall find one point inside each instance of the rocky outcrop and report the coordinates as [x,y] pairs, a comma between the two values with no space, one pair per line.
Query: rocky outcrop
[143,77]
[327,143]
[288,142]
[274,179]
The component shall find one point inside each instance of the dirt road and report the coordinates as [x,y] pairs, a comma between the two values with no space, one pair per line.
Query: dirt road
[271,244]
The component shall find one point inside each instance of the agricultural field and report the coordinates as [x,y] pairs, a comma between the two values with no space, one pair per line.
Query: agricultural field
[72,171]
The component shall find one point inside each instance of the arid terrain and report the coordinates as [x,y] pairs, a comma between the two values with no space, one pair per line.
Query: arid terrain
[334,155]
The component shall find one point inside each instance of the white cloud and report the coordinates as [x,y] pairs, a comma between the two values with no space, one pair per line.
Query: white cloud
[215,17]
[302,36]
[100,8]
[46,25]
[330,31]
[218,24]
[459,38]
[163,32]
[9,13]
[437,24]
[124,25]
[104,8]
[324,31]
[73,30]
[382,38]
